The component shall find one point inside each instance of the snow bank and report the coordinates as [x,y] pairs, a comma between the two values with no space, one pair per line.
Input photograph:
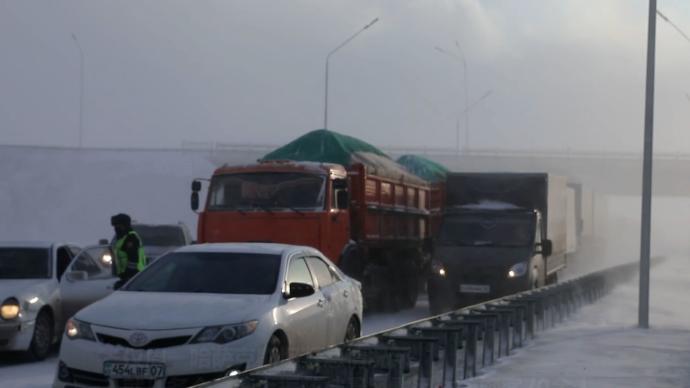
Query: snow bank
[601,346]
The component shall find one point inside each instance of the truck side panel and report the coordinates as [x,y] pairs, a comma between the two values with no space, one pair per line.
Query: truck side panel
[385,210]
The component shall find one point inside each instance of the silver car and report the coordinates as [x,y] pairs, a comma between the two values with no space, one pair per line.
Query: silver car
[42,284]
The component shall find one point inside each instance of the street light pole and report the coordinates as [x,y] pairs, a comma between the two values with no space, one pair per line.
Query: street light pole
[461,58]
[81,89]
[328,58]
[643,312]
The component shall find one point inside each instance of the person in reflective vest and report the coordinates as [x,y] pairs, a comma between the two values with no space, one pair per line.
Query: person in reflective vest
[128,249]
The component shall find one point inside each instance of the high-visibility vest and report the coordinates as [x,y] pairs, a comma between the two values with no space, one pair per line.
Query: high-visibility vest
[122,257]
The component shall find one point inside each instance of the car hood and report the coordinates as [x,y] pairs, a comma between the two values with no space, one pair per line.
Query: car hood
[23,289]
[166,310]
[153,251]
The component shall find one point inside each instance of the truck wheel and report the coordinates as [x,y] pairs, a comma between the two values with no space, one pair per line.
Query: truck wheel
[552,279]
[42,339]
[440,299]
[408,285]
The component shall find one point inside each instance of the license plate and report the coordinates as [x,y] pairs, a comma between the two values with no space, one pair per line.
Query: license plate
[475,288]
[145,371]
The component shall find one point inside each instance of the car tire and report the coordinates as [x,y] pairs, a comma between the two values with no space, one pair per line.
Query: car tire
[42,339]
[274,350]
[352,331]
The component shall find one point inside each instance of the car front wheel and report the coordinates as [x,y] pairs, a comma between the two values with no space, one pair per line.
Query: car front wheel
[43,336]
[274,350]
[352,331]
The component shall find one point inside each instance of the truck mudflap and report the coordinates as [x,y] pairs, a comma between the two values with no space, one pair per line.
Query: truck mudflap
[554,264]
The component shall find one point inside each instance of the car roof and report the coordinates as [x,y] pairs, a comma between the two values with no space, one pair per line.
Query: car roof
[30,244]
[260,248]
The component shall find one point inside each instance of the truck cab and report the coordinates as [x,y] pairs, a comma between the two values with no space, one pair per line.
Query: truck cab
[303,203]
[483,254]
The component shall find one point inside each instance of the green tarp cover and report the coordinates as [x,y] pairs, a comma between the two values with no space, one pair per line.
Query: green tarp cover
[424,168]
[323,146]
[326,146]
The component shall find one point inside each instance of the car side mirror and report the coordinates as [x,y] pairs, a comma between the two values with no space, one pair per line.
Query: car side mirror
[546,248]
[195,200]
[76,276]
[299,290]
[342,198]
[196,186]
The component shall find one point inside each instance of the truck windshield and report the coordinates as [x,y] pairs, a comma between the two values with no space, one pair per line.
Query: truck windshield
[267,190]
[24,263]
[474,230]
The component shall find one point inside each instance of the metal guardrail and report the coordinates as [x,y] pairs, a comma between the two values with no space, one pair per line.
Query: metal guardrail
[440,350]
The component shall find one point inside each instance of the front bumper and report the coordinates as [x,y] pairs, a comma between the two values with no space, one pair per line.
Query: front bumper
[463,286]
[185,364]
[16,335]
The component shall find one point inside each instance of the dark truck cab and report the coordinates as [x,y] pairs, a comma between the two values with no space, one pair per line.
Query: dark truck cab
[500,234]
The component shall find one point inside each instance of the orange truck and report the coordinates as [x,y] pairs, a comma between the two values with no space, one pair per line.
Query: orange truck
[367,214]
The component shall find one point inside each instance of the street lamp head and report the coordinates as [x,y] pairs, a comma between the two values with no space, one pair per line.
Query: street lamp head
[371,23]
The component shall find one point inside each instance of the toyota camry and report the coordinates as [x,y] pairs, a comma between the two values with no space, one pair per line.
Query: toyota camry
[205,311]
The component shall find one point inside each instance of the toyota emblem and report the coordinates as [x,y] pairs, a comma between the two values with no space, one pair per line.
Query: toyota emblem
[138,339]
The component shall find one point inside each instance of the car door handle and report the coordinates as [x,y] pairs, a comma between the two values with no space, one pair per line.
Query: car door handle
[346,294]
[320,303]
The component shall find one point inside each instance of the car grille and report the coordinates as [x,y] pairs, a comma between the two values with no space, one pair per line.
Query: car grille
[88,378]
[155,344]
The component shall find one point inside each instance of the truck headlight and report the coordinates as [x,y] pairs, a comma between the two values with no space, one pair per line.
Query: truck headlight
[518,270]
[75,329]
[9,309]
[225,334]
[437,268]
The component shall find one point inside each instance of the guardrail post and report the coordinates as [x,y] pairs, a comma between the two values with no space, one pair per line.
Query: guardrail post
[394,361]
[421,349]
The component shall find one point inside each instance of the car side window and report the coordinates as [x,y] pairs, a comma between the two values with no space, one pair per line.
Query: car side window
[74,250]
[298,272]
[63,260]
[85,263]
[321,271]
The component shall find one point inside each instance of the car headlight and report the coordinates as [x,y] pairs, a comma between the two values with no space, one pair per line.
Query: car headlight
[225,334]
[107,259]
[75,329]
[518,270]
[9,309]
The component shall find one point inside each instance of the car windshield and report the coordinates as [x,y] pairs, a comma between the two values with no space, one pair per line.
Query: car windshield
[24,263]
[210,272]
[472,230]
[160,235]
[272,190]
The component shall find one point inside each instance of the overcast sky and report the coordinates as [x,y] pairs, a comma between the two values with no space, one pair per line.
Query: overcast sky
[565,74]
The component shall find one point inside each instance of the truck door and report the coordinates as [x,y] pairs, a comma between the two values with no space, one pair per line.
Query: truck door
[337,227]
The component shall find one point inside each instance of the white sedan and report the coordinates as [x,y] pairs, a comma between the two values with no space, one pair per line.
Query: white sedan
[205,311]
[42,284]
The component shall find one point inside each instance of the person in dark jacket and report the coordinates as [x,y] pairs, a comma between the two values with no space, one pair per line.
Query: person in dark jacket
[128,249]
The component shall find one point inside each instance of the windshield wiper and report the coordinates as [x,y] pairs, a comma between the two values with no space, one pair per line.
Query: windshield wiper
[262,207]
[295,210]
[482,243]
